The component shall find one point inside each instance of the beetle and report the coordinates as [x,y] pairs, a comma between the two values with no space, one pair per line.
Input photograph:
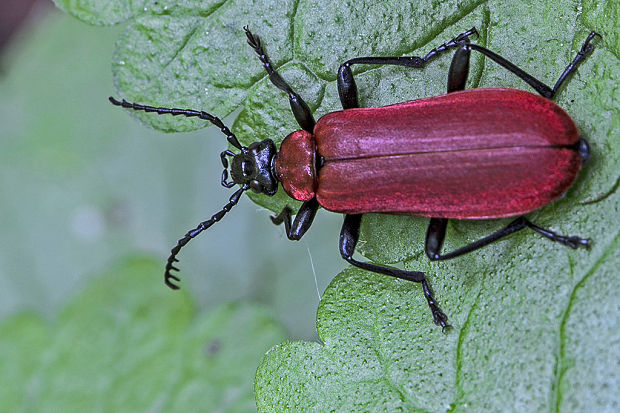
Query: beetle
[513,153]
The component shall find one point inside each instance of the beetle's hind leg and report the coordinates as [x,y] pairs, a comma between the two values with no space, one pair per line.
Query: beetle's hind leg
[347,89]
[437,231]
[539,86]
[300,108]
[348,240]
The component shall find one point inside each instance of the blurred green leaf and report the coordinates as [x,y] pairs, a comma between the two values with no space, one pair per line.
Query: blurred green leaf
[127,344]
[82,184]
[101,12]
[523,310]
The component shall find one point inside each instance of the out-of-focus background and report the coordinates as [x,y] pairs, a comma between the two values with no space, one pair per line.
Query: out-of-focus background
[83,184]
[86,190]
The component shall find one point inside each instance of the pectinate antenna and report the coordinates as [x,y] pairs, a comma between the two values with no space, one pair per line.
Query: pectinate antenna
[171,279]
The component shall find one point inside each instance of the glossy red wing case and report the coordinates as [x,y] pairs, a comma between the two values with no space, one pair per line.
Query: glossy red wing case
[480,153]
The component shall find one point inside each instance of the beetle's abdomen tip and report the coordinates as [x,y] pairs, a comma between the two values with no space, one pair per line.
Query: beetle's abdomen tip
[583,147]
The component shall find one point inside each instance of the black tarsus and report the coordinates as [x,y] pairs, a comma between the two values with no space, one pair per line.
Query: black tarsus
[586,49]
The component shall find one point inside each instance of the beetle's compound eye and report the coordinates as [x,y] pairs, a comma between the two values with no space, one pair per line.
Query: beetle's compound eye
[243,169]
[247,167]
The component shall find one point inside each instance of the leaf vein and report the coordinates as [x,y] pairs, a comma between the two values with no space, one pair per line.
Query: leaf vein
[459,350]
[561,369]
[384,362]
[603,196]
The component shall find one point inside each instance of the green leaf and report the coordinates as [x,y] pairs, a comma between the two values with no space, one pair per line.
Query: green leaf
[521,340]
[127,344]
[534,324]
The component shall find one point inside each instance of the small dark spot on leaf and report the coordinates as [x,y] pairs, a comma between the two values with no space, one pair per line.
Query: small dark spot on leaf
[213,347]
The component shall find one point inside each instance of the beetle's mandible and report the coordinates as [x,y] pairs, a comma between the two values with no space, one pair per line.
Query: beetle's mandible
[516,152]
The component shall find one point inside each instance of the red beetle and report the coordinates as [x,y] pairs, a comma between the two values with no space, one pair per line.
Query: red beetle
[514,153]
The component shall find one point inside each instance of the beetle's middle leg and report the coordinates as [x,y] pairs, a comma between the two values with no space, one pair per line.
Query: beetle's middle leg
[303,219]
[347,89]
[437,231]
[348,240]
[300,108]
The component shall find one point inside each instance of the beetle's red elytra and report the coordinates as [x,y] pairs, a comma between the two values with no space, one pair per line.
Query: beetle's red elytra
[468,154]
[485,164]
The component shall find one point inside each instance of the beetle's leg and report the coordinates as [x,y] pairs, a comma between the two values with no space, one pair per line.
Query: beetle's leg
[539,86]
[348,240]
[586,49]
[459,70]
[437,231]
[435,234]
[300,109]
[302,222]
[347,89]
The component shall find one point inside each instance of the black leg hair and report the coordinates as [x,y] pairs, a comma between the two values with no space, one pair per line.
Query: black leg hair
[437,231]
[348,240]
[303,219]
[300,109]
[232,139]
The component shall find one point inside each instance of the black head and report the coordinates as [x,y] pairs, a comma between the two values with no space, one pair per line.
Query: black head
[254,167]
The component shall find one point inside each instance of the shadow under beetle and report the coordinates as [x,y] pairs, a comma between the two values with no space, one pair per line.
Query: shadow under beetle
[510,152]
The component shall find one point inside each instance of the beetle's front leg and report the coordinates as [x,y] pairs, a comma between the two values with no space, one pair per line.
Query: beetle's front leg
[303,219]
[300,108]
[347,89]
[437,231]
[348,240]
